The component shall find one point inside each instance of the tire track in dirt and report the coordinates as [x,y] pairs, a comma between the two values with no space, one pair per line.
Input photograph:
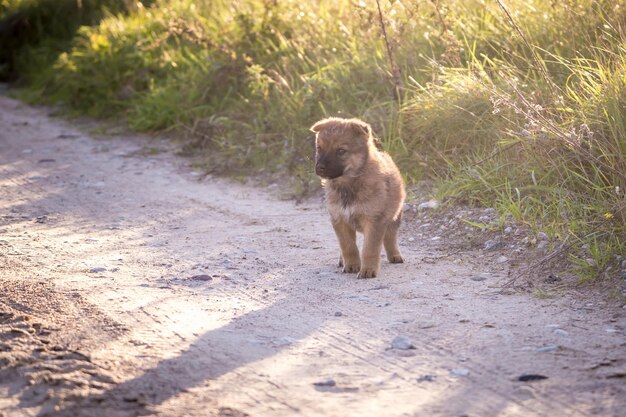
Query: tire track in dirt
[387,364]
[370,355]
[336,341]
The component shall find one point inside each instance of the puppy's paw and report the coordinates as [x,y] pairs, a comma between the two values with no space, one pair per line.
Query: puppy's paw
[367,273]
[351,268]
[396,259]
[340,262]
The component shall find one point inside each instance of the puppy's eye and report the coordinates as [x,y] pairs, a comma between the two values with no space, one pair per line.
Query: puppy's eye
[341,152]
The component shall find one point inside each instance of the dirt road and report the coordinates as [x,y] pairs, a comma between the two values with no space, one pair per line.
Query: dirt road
[132,287]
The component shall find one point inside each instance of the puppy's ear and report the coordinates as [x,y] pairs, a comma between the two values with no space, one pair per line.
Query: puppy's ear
[361,128]
[323,124]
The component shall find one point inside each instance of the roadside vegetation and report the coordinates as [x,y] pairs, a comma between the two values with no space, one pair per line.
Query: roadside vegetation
[517,105]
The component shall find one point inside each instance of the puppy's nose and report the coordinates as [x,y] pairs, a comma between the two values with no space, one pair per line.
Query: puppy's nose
[320,169]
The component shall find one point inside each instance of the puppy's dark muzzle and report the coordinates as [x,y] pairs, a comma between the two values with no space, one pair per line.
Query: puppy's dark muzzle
[327,174]
[327,167]
[320,169]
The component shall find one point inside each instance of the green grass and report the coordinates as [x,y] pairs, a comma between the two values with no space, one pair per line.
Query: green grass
[522,108]
[34,32]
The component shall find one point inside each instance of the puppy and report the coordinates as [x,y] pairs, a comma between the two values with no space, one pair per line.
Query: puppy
[364,193]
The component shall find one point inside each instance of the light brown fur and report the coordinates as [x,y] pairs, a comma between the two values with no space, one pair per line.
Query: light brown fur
[364,193]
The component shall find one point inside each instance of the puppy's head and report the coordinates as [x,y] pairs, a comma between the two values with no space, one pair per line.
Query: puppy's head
[342,147]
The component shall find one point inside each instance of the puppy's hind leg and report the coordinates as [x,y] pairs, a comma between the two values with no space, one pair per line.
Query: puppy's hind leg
[346,236]
[391,242]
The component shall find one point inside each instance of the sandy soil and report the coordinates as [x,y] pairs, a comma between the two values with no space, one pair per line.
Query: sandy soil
[130,286]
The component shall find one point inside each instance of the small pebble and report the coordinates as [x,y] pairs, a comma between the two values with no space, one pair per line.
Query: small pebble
[285,341]
[524,392]
[480,277]
[432,204]
[502,259]
[96,270]
[460,371]
[338,314]
[426,378]
[548,348]
[531,377]
[561,332]
[492,244]
[202,277]
[402,343]
[327,383]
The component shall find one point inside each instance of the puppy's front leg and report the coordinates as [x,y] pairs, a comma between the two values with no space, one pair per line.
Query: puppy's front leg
[374,233]
[346,236]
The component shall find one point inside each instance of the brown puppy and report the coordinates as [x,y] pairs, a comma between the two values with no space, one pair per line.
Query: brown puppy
[364,192]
